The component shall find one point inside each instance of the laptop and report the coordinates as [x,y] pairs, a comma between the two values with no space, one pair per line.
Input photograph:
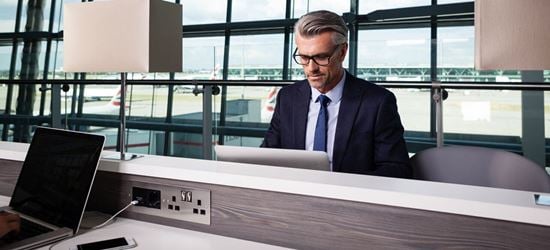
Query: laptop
[316,160]
[53,187]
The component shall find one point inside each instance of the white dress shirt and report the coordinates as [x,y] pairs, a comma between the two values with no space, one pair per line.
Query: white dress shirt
[335,96]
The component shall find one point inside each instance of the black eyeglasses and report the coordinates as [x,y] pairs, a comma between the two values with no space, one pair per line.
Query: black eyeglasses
[321,59]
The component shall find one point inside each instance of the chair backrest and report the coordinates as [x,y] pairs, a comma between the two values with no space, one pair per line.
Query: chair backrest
[481,167]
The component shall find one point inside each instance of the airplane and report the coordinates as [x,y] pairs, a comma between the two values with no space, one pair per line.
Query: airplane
[188,88]
[269,106]
[94,94]
[110,108]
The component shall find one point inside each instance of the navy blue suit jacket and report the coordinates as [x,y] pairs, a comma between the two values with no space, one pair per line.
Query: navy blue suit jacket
[369,134]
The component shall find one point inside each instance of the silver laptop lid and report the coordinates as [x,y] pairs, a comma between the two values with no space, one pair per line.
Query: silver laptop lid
[57,176]
[315,160]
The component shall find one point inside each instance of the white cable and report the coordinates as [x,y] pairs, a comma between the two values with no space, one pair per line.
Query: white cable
[134,202]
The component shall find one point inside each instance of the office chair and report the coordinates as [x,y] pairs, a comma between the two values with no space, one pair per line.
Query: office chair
[481,167]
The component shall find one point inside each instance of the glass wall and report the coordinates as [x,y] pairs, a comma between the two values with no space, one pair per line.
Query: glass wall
[252,50]
[8,10]
[256,57]
[253,10]
[367,6]
[5,60]
[301,7]
[199,12]
[399,55]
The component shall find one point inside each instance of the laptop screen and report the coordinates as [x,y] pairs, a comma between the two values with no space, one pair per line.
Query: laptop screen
[57,175]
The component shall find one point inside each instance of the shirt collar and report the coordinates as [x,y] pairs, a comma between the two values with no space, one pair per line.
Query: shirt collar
[335,94]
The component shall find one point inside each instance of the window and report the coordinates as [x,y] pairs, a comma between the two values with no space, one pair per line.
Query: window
[394,55]
[5,60]
[8,10]
[202,58]
[248,10]
[201,12]
[301,7]
[456,58]
[367,6]
[399,55]
[256,57]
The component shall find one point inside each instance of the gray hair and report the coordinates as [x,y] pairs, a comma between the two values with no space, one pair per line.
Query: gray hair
[317,22]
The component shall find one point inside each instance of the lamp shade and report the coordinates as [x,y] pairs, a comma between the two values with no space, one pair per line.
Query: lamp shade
[123,36]
[512,34]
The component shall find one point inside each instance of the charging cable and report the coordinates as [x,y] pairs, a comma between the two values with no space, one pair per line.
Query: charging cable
[134,202]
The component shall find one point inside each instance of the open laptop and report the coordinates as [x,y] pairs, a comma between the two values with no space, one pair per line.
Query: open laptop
[291,158]
[53,187]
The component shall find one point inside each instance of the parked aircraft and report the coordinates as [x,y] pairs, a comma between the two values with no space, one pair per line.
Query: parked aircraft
[111,108]
[212,75]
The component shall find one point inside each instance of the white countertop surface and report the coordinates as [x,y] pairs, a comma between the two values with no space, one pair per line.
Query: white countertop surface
[501,204]
[158,237]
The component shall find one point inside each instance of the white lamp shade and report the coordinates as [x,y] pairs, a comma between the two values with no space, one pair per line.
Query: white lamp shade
[123,36]
[512,34]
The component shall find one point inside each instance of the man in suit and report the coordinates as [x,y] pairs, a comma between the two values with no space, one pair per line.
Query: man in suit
[354,121]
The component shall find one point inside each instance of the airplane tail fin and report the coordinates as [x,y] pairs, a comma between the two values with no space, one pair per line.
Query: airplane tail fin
[115,100]
[215,72]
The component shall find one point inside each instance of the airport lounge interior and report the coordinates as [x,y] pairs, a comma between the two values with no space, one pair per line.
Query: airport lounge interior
[274,124]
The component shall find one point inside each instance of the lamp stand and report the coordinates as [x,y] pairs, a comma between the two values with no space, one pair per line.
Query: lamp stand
[122,138]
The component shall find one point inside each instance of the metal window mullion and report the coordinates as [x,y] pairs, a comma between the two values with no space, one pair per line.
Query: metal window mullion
[227,42]
[433,75]
[169,107]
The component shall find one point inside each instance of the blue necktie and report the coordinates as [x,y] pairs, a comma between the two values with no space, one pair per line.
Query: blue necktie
[320,139]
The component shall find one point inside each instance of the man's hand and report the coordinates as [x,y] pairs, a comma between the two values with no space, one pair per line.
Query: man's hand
[9,222]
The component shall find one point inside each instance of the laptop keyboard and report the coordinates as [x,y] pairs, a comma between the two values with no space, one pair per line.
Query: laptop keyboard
[31,229]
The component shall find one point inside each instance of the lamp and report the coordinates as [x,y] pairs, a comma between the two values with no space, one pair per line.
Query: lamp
[511,34]
[123,36]
[515,35]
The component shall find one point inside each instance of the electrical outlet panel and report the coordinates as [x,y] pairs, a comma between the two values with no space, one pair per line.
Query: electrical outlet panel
[179,203]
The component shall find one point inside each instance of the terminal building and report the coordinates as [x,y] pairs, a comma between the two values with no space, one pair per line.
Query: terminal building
[236,56]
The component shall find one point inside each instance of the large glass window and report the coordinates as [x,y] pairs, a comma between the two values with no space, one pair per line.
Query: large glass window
[5,59]
[8,10]
[3,98]
[486,112]
[201,12]
[256,57]
[147,101]
[394,55]
[103,99]
[56,62]
[301,7]
[248,10]
[455,58]
[202,59]
[399,55]
[367,6]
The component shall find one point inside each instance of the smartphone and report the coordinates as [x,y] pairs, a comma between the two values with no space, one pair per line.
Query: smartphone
[110,244]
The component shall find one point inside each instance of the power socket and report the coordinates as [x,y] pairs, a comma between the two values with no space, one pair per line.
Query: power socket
[146,197]
[180,203]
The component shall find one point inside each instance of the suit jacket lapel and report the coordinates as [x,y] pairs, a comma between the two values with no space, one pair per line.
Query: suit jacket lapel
[351,99]
[300,113]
